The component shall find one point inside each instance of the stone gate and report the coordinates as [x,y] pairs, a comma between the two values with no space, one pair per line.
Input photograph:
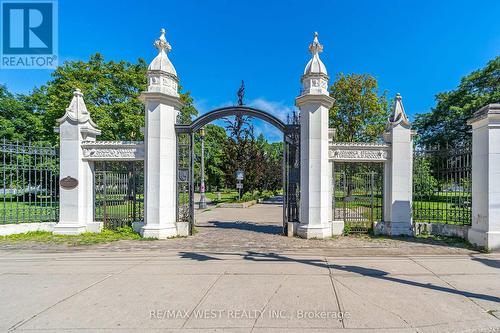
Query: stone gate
[318,154]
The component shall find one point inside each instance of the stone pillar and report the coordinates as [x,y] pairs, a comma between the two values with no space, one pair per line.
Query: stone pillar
[315,170]
[162,104]
[485,229]
[398,174]
[76,202]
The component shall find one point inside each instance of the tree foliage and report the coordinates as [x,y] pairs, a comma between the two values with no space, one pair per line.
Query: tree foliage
[18,121]
[447,121]
[424,183]
[359,112]
[111,92]
[261,161]
[215,156]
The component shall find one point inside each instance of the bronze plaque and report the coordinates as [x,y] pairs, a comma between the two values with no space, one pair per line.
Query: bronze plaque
[68,183]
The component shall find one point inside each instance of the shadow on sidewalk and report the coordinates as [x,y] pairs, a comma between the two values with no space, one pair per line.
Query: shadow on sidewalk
[363,271]
[244,225]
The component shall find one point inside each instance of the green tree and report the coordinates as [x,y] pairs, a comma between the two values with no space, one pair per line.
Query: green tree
[17,119]
[359,112]
[261,161]
[215,139]
[111,92]
[272,175]
[424,183]
[215,142]
[447,121]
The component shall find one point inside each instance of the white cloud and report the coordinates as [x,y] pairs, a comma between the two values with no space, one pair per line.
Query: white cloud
[278,109]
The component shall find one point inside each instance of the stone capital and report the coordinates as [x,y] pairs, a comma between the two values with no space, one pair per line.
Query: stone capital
[323,100]
[173,101]
[487,112]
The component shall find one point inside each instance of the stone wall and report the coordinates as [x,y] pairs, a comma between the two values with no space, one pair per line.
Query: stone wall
[451,230]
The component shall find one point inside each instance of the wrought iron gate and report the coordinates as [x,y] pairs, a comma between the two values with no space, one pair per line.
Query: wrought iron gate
[291,175]
[119,193]
[358,195]
[185,160]
[185,186]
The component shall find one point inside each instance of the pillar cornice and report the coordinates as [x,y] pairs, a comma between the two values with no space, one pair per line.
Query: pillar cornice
[323,100]
[162,98]
[487,112]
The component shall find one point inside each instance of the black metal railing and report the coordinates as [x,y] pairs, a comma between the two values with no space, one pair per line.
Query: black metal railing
[442,184]
[118,193]
[29,189]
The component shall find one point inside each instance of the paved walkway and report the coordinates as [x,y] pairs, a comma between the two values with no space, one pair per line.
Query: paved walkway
[244,277]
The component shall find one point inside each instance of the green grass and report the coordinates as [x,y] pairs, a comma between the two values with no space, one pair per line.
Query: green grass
[229,196]
[87,238]
[434,210]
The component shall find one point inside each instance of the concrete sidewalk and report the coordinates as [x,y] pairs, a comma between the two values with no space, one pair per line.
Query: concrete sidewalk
[249,291]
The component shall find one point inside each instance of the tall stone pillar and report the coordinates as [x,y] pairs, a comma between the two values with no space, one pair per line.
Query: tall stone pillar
[162,104]
[314,103]
[485,230]
[398,174]
[76,205]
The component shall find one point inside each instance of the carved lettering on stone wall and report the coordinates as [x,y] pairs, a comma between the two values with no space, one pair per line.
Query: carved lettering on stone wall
[109,150]
[109,153]
[359,155]
[359,152]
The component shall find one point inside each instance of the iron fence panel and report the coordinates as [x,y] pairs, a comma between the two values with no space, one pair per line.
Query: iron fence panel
[29,188]
[442,185]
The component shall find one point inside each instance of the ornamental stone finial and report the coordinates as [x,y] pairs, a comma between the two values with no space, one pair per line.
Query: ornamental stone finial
[398,114]
[315,78]
[161,43]
[315,46]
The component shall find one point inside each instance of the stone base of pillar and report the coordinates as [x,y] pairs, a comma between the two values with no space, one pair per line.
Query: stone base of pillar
[183,229]
[291,229]
[393,229]
[493,241]
[321,231]
[137,226]
[381,228]
[488,240]
[69,229]
[400,228]
[159,232]
[337,228]
[95,227]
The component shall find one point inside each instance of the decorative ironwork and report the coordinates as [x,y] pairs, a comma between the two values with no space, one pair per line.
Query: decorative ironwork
[185,187]
[358,195]
[291,176]
[241,93]
[29,182]
[119,193]
[442,185]
[185,160]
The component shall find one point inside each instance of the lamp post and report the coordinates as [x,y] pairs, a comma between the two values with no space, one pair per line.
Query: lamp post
[203,203]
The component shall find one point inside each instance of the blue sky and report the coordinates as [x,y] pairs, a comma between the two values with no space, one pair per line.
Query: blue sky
[417,48]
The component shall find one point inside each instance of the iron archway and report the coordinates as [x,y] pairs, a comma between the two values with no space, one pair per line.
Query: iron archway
[185,161]
[208,117]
